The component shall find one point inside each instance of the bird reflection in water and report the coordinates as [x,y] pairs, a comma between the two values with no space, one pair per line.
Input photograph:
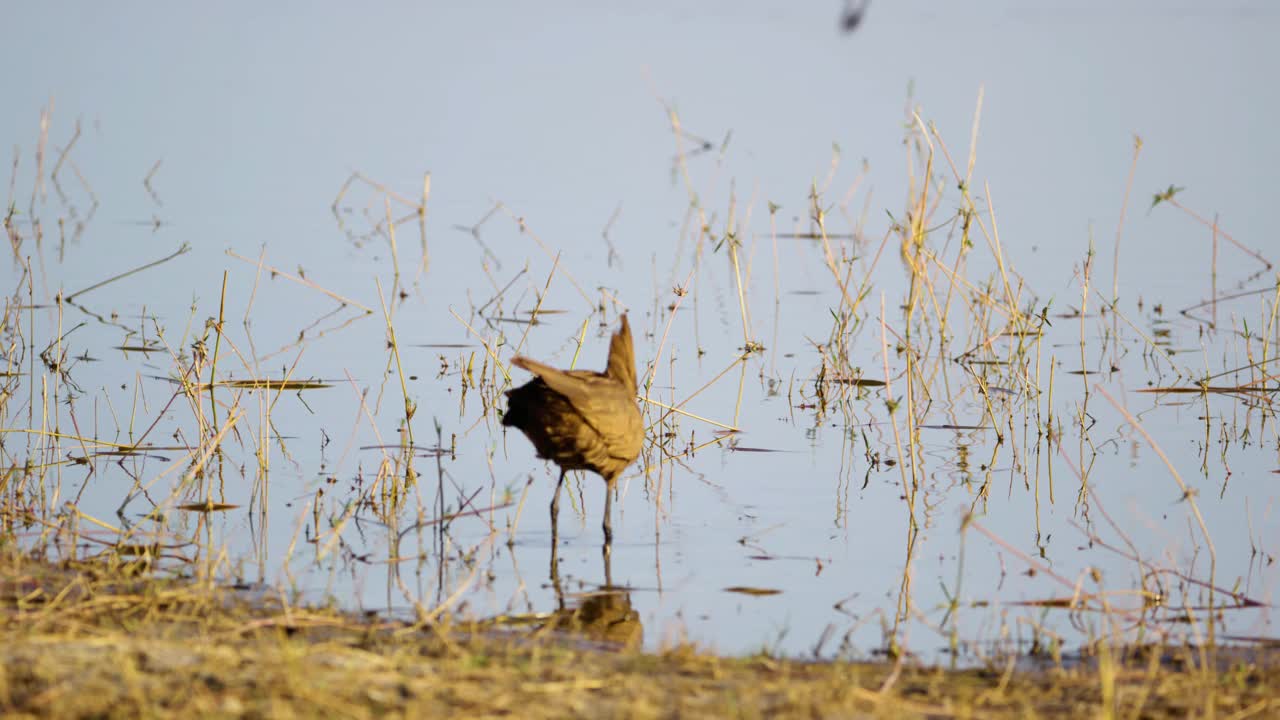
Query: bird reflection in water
[604,614]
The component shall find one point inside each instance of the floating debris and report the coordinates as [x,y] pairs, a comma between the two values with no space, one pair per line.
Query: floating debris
[757,591]
[208,507]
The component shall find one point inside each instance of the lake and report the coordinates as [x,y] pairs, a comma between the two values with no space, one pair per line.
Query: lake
[956,331]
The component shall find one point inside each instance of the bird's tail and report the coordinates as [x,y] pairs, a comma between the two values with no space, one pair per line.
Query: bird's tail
[622,357]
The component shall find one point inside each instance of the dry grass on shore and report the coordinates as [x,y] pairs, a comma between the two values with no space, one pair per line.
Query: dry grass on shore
[84,640]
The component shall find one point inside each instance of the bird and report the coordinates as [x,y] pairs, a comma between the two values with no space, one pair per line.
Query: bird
[581,419]
[852,16]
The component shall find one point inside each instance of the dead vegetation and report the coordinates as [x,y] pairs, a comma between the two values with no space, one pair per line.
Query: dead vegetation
[87,640]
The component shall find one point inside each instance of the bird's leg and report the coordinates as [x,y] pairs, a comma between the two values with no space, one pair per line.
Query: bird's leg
[555,542]
[608,511]
[555,507]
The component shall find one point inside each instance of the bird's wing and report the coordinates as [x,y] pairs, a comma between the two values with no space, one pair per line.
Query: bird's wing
[574,389]
[603,403]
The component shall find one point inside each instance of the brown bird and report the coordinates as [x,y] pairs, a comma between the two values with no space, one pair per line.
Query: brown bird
[581,419]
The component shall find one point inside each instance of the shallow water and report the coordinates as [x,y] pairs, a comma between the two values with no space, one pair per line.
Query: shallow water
[557,182]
